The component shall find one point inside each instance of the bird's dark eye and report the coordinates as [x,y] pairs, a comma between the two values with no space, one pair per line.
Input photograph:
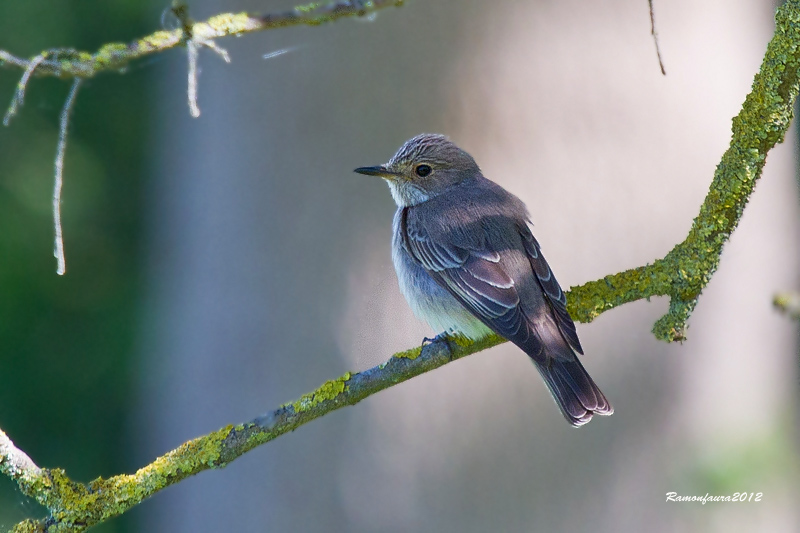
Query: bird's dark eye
[423,170]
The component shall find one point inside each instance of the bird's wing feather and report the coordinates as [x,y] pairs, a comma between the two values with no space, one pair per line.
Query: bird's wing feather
[551,288]
[488,270]
[477,277]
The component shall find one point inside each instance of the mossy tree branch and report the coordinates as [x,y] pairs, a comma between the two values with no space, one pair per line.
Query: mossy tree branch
[66,63]
[681,274]
[69,63]
[685,271]
[75,506]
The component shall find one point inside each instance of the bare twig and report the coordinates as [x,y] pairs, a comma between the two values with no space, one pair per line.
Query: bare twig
[217,49]
[114,56]
[193,44]
[279,52]
[8,59]
[59,181]
[191,91]
[67,62]
[19,94]
[655,37]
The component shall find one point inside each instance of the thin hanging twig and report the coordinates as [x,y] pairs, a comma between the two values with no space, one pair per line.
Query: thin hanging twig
[19,94]
[59,181]
[191,87]
[655,37]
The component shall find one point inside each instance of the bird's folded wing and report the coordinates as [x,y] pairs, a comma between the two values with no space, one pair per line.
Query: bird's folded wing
[475,276]
[551,288]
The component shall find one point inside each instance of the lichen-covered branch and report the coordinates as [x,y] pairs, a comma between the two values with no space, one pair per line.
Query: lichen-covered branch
[681,274]
[18,466]
[75,507]
[69,63]
[66,62]
[685,271]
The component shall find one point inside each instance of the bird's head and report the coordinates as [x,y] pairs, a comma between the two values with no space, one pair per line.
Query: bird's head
[424,167]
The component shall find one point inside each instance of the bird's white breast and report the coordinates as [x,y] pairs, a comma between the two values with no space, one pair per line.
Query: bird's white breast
[427,299]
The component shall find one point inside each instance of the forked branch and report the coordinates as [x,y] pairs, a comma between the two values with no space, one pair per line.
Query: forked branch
[681,274]
[69,63]
[66,63]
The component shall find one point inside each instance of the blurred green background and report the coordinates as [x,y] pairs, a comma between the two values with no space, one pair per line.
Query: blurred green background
[67,343]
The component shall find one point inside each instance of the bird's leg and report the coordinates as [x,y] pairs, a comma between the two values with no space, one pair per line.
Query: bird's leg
[441,337]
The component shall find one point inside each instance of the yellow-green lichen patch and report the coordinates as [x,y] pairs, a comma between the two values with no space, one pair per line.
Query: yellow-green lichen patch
[67,501]
[459,344]
[254,438]
[328,391]
[586,302]
[110,54]
[201,451]
[29,526]
[461,341]
[412,354]
[481,344]
[242,427]
[226,24]
[157,41]
[308,8]
[672,326]
[106,498]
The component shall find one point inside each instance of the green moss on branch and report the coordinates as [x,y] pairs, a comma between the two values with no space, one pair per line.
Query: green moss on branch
[68,63]
[682,275]
[686,270]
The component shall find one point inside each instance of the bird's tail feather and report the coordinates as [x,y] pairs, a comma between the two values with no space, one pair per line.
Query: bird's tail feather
[574,391]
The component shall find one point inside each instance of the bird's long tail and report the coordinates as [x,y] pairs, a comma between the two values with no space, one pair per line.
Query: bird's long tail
[574,391]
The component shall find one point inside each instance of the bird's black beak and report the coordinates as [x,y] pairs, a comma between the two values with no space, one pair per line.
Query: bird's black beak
[380,171]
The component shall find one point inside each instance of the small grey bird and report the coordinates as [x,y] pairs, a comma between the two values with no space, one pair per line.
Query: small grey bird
[468,264]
